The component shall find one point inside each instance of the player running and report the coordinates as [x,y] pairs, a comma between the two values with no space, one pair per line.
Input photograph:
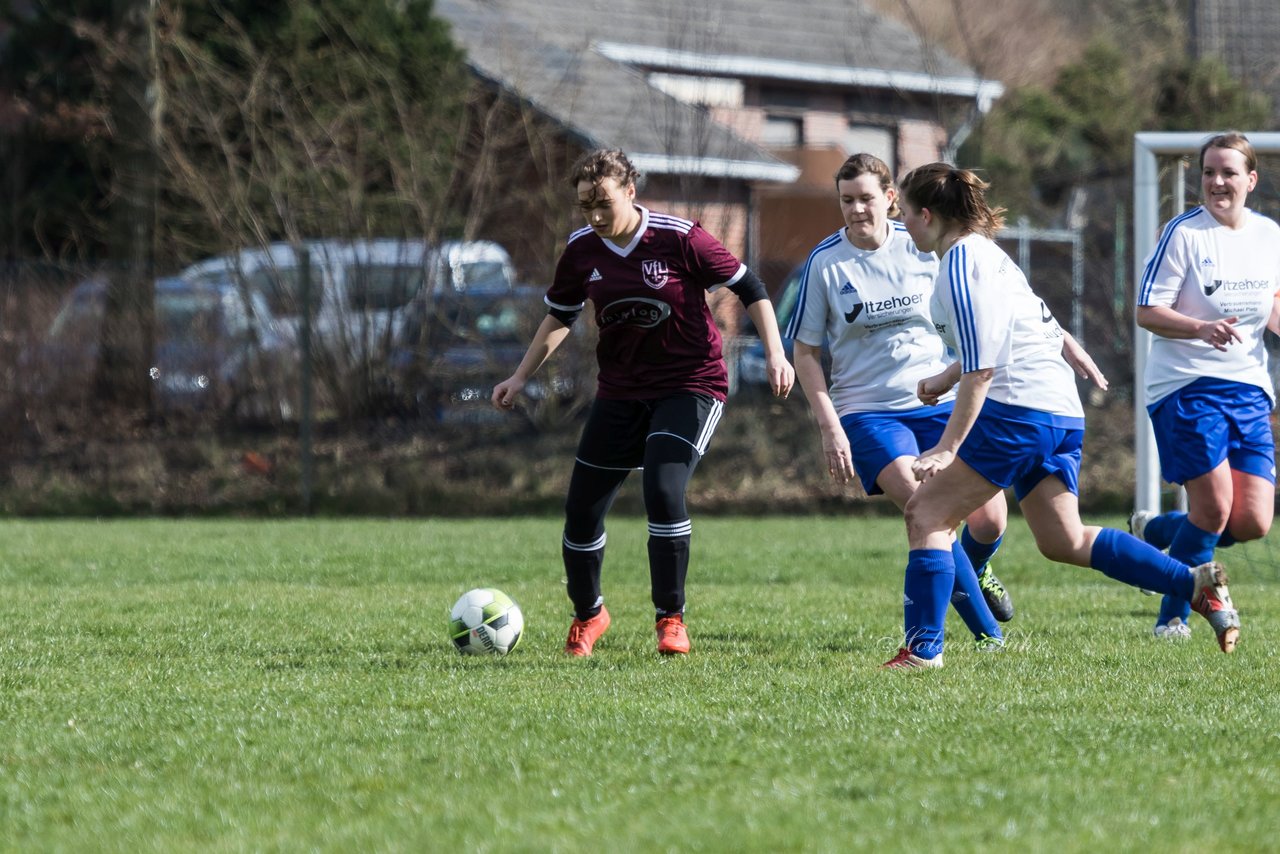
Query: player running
[1208,291]
[662,380]
[866,289]
[1017,421]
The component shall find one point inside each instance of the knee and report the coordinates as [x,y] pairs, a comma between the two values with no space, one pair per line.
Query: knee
[1250,528]
[921,518]
[664,500]
[1210,516]
[1061,547]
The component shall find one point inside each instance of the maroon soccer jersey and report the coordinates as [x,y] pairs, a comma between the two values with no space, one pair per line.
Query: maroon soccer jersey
[657,335]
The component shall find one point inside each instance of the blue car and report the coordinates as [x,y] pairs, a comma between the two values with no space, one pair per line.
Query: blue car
[751,376]
[456,347]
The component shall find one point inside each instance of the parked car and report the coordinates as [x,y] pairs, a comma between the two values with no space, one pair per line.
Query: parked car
[457,346]
[361,293]
[358,288]
[361,285]
[217,349]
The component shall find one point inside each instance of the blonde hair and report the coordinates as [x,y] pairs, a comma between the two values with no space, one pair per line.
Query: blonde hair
[954,194]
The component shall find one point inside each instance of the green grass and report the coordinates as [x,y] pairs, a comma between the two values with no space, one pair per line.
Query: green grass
[231,686]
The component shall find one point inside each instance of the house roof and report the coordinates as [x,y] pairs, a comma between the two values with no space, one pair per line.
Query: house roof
[574,59]
[602,102]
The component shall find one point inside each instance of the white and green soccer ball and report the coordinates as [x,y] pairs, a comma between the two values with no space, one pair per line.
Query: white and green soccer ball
[485,622]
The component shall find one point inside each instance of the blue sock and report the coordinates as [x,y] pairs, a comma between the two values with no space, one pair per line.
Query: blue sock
[1159,531]
[927,587]
[979,553]
[1193,546]
[967,598]
[1126,558]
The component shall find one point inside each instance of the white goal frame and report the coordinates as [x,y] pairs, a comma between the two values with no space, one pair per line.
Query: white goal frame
[1147,150]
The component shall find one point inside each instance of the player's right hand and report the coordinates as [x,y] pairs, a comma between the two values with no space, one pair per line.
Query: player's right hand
[505,392]
[1220,333]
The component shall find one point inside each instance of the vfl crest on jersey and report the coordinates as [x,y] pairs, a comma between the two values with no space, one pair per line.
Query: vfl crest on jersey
[655,273]
[1210,289]
[641,312]
[852,314]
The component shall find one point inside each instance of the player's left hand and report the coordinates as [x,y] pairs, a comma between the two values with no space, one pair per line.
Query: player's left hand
[781,376]
[1082,363]
[930,463]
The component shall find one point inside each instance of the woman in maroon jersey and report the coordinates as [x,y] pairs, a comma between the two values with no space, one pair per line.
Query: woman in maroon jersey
[662,379]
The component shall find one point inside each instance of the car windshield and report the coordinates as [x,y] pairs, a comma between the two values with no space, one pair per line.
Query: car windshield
[188,315]
[470,321]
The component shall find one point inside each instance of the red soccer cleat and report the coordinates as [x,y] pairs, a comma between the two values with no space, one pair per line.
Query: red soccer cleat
[672,638]
[583,634]
[908,660]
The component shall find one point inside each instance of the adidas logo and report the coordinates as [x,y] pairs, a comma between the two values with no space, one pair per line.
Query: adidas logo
[848,288]
[1207,262]
[595,276]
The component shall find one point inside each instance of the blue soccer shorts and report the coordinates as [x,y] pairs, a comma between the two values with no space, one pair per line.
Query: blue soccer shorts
[1019,447]
[878,438]
[1211,420]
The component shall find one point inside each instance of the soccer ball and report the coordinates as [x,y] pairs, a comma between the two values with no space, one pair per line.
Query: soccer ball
[485,622]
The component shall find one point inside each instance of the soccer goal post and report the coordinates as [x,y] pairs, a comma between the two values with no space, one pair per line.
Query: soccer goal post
[1148,148]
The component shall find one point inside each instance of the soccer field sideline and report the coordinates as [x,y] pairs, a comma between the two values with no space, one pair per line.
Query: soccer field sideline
[282,685]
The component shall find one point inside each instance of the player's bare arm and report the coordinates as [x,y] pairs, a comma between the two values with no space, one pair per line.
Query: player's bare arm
[1081,362]
[781,375]
[930,389]
[550,335]
[1168,323]
[970,396]
[835,444]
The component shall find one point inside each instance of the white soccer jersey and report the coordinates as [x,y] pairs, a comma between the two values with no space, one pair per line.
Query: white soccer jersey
[984,308]
[1205,270]
[873,308]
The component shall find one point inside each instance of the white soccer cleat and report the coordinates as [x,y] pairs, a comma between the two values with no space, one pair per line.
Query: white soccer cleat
[1138,520]
[1175,629]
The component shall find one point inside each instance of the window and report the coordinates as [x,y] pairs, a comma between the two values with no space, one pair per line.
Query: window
[783,132]
[872,139]
[703,91]
[373,287]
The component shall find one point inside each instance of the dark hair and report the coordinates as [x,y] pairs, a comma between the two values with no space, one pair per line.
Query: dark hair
[867,164]
[595,166]
[954,194]
[1234,140]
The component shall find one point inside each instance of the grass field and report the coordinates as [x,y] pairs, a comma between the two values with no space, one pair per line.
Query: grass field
[232,686]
